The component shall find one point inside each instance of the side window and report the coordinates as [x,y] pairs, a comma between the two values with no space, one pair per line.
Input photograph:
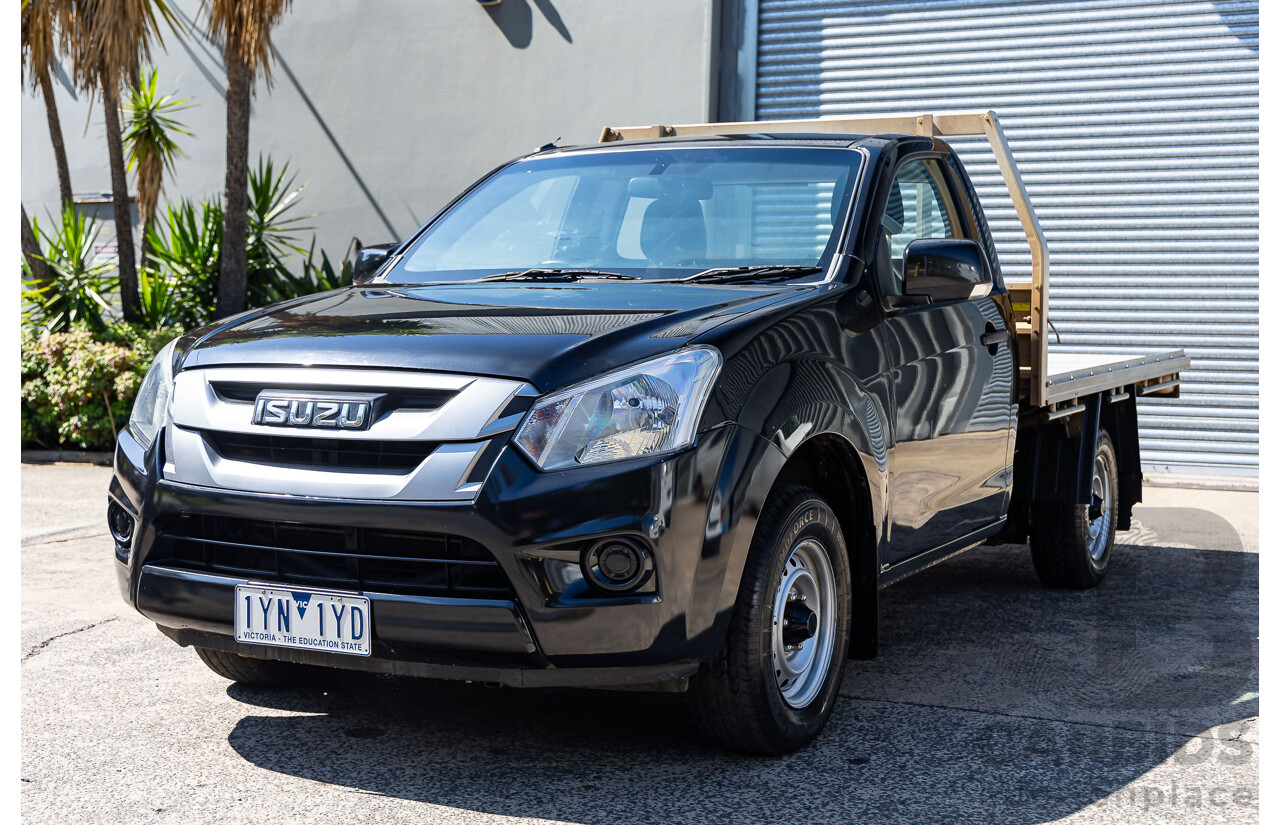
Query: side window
[919,206]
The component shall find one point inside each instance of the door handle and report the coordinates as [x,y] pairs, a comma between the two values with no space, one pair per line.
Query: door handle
[902,301]
[993,338]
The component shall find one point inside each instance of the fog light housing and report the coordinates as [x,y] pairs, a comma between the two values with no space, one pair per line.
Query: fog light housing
[120,523]
[617,565]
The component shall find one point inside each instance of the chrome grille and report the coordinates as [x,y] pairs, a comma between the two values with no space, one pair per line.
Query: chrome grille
[330,453]
[432,437]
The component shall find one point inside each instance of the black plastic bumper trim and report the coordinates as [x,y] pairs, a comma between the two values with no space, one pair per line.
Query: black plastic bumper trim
[509,676]
[204,602]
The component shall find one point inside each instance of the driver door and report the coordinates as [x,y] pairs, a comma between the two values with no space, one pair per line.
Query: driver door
[954,405]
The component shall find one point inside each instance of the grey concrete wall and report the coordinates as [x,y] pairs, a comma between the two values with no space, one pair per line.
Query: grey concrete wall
[388,108]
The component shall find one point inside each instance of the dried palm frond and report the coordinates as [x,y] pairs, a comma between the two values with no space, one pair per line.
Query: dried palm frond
[39,24]
[244,27]
[109,39]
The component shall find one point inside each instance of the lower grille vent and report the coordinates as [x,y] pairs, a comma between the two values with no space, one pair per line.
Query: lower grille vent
[343,558]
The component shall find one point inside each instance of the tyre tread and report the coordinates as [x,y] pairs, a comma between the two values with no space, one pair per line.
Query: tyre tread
[261,672]
[1059,543]
[723,707]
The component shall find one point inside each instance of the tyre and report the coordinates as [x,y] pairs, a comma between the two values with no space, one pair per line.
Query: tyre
[773,686]
[1071,543]
[246,671]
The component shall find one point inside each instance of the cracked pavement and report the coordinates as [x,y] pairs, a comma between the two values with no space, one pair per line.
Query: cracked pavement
[35,651]
[992,700]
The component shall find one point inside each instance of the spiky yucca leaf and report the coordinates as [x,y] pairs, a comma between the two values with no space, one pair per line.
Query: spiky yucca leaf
[272,197]
[184,247]
[160,296]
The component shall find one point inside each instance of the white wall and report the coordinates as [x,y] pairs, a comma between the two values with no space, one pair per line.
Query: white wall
[422,97]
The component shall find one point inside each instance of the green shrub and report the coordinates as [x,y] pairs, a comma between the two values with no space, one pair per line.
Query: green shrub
[160,299]
[78,290]
[185,248]
[187,242]
[322,277]
[141,340]
[77,391]
[280,284]
[272,229]
[178,284]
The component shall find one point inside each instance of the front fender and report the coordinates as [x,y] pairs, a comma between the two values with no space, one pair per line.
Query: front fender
[792,404]
[814,398]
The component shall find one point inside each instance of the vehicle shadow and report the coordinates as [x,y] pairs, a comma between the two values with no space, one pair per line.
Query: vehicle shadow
[991,695]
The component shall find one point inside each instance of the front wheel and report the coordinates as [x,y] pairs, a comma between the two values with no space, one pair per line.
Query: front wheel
[1071,543]
[773,686]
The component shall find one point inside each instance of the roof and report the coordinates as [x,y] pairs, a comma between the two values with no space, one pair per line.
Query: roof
[796,140]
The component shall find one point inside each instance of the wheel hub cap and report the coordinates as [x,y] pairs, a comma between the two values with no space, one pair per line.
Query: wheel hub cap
[799,623]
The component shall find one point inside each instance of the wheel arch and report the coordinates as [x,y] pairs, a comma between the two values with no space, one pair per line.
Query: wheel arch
[812,422]
[830,465]
[852,483]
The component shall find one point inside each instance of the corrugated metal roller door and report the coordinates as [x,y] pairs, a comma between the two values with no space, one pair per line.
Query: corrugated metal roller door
[1135,127]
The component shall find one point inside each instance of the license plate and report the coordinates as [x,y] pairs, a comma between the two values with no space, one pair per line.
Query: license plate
[306,619]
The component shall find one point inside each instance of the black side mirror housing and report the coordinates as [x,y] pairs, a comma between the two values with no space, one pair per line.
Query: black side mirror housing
[369,260]
[941,270]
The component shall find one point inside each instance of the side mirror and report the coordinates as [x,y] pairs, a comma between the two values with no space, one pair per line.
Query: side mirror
[940,270]
[369,260]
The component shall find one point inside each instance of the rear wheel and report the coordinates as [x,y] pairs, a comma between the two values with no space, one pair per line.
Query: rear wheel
[1071,543]
[773,686]
[246,671]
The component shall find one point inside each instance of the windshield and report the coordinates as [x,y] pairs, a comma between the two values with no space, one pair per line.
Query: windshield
[644,213]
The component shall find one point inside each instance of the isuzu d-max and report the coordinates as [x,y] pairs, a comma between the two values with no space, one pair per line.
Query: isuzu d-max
[664,411]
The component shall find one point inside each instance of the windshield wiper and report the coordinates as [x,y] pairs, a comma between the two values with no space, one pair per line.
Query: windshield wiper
[730,274]
[538,274]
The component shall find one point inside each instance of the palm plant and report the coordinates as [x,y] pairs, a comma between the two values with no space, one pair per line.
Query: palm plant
[159,296]
[76,288]
[39,22]
[315,277]
[244,27]
[149,141]
[271,234]
[272,237]
[186,255]
[107,40]
[186,244]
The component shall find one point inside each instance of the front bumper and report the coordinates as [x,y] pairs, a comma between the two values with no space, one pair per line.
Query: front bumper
[693,510]
[414,636]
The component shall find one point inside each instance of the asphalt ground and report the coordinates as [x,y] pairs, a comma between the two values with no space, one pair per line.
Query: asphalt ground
[992,700]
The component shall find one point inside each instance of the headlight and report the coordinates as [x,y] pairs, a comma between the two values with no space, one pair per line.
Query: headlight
[152,404]
[639,410]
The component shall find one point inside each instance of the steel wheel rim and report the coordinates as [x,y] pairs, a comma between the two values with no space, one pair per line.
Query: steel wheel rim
[807,582]
[1099,508]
